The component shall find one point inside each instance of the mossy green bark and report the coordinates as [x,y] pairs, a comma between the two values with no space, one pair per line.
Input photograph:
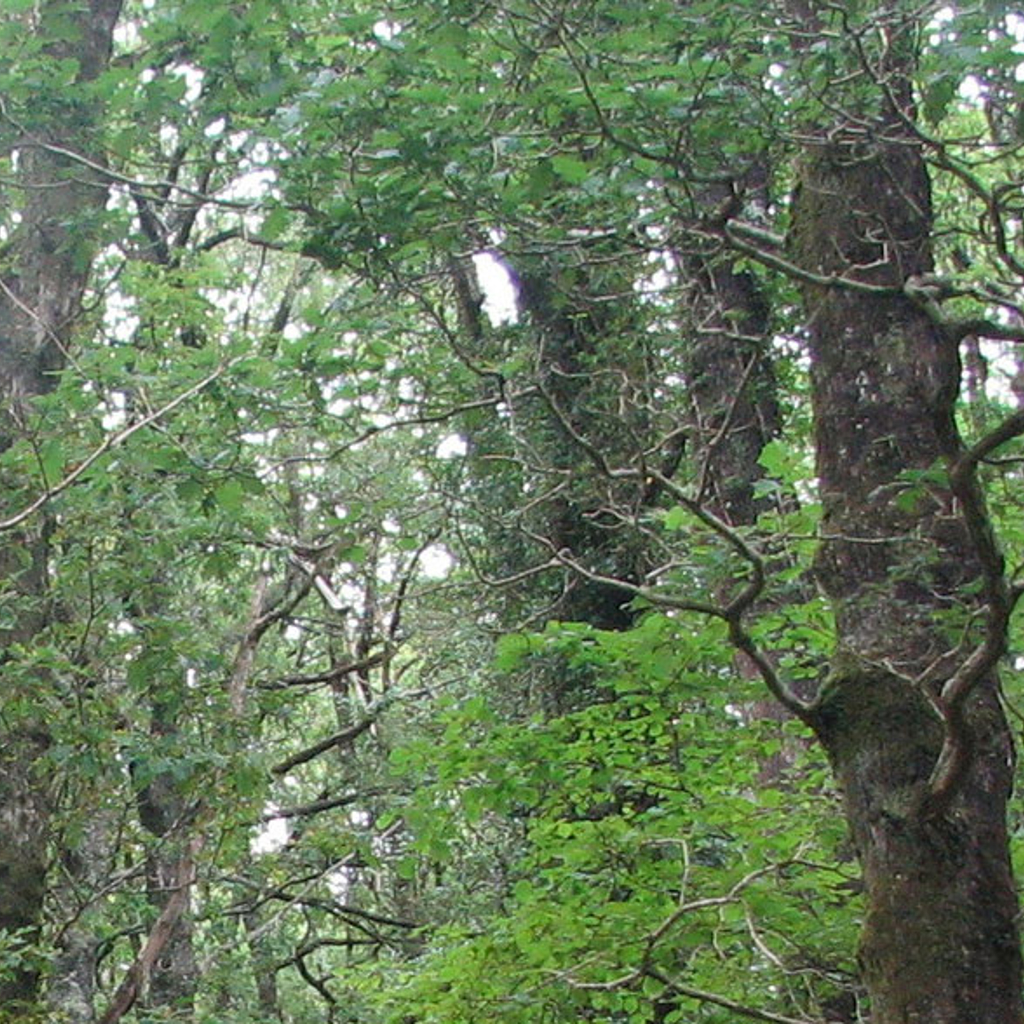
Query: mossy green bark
[939,942]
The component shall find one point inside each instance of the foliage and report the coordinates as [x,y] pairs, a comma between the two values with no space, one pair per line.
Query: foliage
[299,485]
[650,844]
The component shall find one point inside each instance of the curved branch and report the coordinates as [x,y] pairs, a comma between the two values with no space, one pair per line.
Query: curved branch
[701,996]
[733,230]
[138,974]
[1000,599]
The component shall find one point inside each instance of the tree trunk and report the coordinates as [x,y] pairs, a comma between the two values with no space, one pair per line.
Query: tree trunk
[165,814]
[86,867]
[580,364]
[48,262]
[734,410]
[939,941]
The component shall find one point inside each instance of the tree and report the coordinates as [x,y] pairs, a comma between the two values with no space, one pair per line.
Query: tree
[49,250]
[296,531]
[884,380]
[912,723]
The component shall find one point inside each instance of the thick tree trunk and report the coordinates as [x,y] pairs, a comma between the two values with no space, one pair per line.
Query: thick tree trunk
[734,410]
[40,298]
[579,369]
[84,870]
[939,941]
[165,813]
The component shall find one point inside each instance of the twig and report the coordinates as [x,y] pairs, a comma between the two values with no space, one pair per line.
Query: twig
[425,419]
[138,974]
[257,933]
[136,184]
[112,442]
[345,735]
[716,1000]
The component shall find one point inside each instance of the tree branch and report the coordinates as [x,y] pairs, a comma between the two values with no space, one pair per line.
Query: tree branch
[700,995]
[112,442]
[336,740]
[138,974]
[345,735]
[1000,599]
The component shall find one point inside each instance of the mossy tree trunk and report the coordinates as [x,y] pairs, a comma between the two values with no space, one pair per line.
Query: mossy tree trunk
[58,198]
[904,568]
[734,410]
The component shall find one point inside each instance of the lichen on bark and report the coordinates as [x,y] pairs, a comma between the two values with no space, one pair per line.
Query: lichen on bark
[939,941]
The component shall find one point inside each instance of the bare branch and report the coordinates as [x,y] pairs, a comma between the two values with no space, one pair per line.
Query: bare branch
[345,735]
[137,184]
[261,618]
[136,978]
[702,996]
[424,419]
[1000,599]
[330,675]
[318,806]
[329,743]
[733,234]
[1011,427]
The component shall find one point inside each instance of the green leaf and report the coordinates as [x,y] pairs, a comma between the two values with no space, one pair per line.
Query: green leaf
[230,495]
[569,168]
[676,518]
[937,98]
[52,461]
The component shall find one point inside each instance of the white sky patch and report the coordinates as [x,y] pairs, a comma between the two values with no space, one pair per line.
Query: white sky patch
[338,406]
[272,835]
[939,20]
[260,437]
[970,88]
[120,320]
[1002,363]
[451,447]
[115,416]
[193,81]
[660,278]
[339,882]
[499,290]
[126,34]
[436,562]
[386,30]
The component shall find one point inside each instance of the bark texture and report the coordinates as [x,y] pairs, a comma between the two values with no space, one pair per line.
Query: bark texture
[87,861]
[939,942]
[41,289]
[592,390]
[733,408]
[166,815]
